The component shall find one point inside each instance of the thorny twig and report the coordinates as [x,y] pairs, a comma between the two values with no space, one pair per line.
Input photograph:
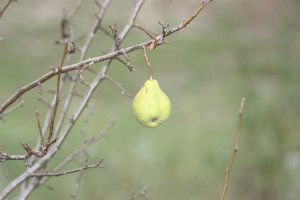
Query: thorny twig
[235,149]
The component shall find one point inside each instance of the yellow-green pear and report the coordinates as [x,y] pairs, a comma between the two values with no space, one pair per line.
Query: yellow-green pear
[151,106]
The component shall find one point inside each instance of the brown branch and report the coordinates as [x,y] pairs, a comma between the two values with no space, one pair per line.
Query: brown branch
[5,156]
[49,174]
[151,35]
[235,149]
[6,6]
[148,64]
[53,115]
[114,32]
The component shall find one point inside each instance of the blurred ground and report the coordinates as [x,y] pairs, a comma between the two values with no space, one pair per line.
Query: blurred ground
[234,49]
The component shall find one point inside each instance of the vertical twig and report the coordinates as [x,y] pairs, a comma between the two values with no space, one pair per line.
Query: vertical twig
[42,142]
[148,63]
[53,115]
[235,150]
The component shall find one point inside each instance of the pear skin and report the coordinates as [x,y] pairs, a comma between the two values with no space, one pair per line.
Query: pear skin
[151,106]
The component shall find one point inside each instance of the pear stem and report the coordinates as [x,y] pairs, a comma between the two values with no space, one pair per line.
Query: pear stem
[148,64]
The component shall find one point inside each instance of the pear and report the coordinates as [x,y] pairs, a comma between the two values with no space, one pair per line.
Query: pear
[151,106]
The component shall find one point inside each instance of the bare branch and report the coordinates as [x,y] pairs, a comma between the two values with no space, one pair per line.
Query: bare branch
[87,44]
[5,7]
[235,149]
[67,160]
[151,35]
[53,115]
[49,174]
[148,64]
[99,78]
[94,29]
[4,156]
[42,141]
[114,32]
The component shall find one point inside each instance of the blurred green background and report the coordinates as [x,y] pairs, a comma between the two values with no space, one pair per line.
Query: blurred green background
[234,49]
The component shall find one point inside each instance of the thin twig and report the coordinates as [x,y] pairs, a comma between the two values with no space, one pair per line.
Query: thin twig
[114,32]
[106,32]
[148,64]
[151,35]
[49,174]
[235,149]
[42,142]
[53,115]
[6,6]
